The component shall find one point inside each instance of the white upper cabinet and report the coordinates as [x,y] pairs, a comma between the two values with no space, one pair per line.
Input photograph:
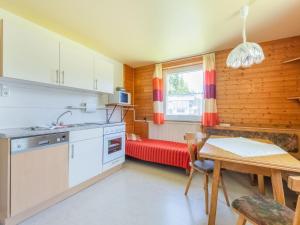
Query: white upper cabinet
[29,53]
[76,65]
[103,75]
[32,53]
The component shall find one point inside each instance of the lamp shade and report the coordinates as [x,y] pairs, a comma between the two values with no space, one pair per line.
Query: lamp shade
[245,55]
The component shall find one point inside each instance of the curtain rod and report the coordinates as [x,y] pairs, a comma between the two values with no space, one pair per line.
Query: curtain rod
[188,57]
[178,59]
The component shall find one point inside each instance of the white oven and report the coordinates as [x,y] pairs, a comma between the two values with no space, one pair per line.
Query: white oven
[114,143]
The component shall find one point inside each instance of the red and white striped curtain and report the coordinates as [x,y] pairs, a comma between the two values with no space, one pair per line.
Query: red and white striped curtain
[210,115]
[158,106]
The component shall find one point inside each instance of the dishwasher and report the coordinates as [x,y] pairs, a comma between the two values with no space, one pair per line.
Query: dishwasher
[39,169]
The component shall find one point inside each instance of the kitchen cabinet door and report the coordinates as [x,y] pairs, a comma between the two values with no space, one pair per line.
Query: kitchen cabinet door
[103,75]
[37,176]
[29,53]
[76,66]
[85,160]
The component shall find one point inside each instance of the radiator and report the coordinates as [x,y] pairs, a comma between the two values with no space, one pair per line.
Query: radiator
[171,130]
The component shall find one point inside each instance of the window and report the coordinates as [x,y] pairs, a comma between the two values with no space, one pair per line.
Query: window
[183,93]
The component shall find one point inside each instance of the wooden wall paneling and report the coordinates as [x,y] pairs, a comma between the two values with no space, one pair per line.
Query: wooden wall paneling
[255,97]
[143,92]
[129,86]
[141,128]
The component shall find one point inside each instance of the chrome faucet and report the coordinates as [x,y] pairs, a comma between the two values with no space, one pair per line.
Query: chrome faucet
[60,116]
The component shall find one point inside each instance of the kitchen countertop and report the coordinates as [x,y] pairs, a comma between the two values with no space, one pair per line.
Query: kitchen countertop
[27,132]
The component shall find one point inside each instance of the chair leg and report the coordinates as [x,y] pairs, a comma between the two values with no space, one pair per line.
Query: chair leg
[252,179]
[206,177]
[224,190]
[241,220]
[187,172]
[189,181]
[261,184]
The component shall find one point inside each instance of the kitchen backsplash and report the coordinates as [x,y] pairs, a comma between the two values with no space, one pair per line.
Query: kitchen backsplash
[34,105]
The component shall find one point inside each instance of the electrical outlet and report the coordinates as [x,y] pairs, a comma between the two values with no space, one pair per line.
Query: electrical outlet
[4,91]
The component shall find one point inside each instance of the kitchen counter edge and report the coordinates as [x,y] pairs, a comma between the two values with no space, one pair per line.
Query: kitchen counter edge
[21,132]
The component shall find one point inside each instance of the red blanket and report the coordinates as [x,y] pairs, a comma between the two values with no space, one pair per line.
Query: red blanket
[163,152]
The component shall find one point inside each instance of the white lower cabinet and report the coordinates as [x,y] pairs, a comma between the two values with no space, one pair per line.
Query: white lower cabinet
[85,156]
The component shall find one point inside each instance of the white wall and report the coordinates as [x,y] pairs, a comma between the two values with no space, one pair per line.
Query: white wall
[33,105]
[118,67]
[172,130]
[36,105]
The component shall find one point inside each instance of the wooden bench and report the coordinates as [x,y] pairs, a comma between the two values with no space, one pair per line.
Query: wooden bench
[287,139]
[259,210]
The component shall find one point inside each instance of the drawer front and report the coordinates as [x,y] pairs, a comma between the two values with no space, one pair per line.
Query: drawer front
[114,129]
[80,135]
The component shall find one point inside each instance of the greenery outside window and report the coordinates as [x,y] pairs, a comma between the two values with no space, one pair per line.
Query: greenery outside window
[183,93]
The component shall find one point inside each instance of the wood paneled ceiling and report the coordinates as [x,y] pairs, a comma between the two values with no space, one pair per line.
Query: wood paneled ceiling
[140,32]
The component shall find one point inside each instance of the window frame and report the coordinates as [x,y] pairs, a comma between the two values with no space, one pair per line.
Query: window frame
[181,118]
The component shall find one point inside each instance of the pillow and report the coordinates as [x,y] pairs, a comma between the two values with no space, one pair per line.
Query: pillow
[133,137]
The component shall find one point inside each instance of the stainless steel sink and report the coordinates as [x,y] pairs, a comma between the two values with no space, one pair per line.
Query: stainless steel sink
[81,124]
[37,128]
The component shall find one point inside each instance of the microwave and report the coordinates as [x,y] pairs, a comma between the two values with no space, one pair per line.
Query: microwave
[120,97]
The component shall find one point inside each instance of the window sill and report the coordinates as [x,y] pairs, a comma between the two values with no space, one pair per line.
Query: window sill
[183,122]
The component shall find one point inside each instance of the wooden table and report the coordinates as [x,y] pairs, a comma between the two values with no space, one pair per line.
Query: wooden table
[271,166]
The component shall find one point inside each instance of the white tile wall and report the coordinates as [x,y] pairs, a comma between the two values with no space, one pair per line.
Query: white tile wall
[33,105]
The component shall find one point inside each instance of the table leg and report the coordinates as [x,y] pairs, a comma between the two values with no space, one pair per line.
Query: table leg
[277,186]
[261,184]
[214,193]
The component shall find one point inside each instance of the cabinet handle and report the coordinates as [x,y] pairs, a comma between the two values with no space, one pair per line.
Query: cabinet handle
[63,76]
[72,152]
[96,84]
[57,76]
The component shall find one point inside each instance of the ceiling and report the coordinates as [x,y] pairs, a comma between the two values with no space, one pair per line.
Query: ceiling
[141,32]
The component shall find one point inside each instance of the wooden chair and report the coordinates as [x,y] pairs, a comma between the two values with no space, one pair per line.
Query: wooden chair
[259,210]
[201,165]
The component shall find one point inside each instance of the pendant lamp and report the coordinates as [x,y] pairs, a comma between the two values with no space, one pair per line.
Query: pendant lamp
[247,53]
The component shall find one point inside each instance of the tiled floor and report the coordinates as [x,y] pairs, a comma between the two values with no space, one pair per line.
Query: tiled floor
[143,194]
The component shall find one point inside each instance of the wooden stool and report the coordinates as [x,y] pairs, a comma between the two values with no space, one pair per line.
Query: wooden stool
[202,166]
[259,210]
